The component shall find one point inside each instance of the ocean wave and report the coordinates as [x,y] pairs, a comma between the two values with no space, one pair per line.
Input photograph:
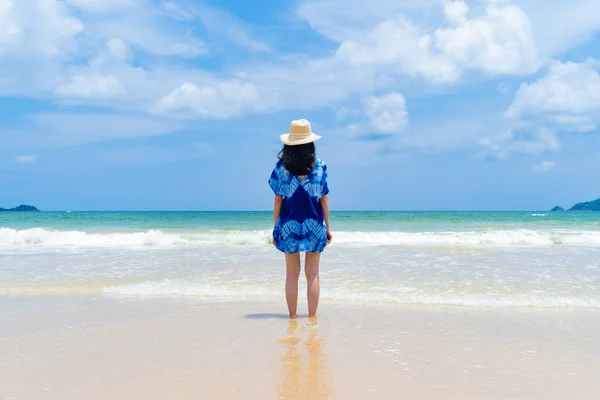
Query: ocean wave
[37,237]
[381,295]
[490,238]
[344,295]
[43,237]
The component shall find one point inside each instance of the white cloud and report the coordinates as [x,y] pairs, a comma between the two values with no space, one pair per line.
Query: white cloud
[146,31]
[568,97]
[104,6]
[70,129]
[222,100]
[218,22]
[341,20]
[39,27]
[387,114]
[155,154]
[398,45]
[117,49]
[380,44]
[98,80]
[499,42]
[114,76]
[92,86]
[559,25]
[110,79]
[512,142]
[178,11]
[344,113]
[456,12]
[395,38]
[497,37]
[9,29]
[544,166]
[49,27]
[302,84]
[495,40]
[26,159]
[384,116]
[565,99]
[42,46]
[441,135]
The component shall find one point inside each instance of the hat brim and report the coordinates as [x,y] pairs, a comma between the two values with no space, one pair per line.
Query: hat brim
[285,139]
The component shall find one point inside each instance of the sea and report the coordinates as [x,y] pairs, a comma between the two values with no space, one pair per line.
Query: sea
[464,259]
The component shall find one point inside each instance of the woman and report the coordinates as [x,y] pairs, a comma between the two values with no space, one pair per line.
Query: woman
[301,211]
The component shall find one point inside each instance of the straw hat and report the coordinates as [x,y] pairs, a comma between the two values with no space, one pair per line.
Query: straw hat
[300,133]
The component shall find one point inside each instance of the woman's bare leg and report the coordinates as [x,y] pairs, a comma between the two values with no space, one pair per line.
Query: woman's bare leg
[292,262]
[313,289]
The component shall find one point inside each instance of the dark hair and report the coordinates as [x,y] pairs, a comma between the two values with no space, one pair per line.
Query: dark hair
[298,160]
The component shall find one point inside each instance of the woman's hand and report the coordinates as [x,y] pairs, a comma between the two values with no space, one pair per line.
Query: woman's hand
[329,237]
[273,241]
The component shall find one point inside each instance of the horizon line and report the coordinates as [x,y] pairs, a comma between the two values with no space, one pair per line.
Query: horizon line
[262,211]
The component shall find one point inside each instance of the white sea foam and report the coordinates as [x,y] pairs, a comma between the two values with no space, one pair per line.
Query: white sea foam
[490,238]
[42,237]
[168,288]
[335,291]
[366,296]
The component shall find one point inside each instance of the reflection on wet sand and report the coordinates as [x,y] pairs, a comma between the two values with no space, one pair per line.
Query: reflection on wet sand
[304,380]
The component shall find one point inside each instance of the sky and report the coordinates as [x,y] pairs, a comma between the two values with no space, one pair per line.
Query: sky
[179,104]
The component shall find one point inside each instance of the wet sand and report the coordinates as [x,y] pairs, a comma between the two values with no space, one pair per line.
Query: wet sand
[85,347]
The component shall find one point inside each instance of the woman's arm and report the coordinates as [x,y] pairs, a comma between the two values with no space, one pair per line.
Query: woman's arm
[276,210]
[325,205]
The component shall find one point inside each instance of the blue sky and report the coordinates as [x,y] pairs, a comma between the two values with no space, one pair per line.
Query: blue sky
[178,105]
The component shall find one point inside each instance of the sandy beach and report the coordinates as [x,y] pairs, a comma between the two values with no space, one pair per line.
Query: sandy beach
[98,347]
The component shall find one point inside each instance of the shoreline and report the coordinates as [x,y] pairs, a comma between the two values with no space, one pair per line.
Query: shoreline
[98,347]
[110,294]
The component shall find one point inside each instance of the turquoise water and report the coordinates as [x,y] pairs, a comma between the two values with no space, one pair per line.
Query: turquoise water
[472,259]
[354,221]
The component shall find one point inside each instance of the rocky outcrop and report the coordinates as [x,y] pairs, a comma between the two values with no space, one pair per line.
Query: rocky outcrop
[20,208]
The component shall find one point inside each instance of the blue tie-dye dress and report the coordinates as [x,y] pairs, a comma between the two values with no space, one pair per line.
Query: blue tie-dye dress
[301,225]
